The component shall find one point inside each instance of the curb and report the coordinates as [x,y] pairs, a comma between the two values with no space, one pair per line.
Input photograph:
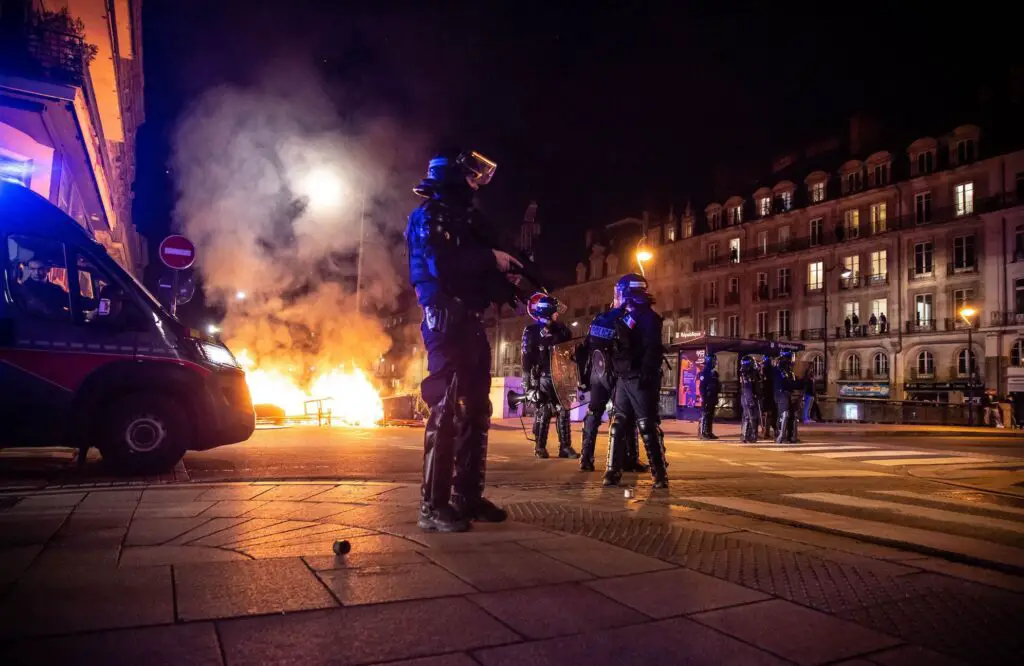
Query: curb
[951,555]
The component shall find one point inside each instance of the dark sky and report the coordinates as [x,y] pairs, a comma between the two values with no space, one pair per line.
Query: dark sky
[595,113]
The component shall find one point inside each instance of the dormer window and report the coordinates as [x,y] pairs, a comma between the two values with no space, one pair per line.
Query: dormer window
[764,206]
[925,162]
[670,233]
[786,201]
[735,214]
[880,175]
[966,151]
[715,219]
[851,182]
[817,192]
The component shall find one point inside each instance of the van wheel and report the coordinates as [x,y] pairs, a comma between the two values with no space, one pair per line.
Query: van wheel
[145,434]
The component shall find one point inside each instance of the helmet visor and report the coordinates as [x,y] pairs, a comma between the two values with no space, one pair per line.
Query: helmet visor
[479,168]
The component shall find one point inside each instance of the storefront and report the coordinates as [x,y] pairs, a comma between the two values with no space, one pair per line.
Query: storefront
[955,392]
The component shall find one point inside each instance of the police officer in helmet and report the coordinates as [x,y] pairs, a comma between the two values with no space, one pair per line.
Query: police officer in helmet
[538,339]
[708,389]
[783,382]
[750,390]
[456,275]
[594,361]
[636,361]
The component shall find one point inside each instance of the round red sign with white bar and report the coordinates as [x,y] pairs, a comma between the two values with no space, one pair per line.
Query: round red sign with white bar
[177,252]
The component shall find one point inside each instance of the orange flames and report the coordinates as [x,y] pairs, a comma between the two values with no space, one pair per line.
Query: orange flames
[347,394]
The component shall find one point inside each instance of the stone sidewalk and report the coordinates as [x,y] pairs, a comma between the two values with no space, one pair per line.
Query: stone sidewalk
[244,574]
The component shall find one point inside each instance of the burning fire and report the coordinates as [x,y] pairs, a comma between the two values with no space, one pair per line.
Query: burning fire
[348,394]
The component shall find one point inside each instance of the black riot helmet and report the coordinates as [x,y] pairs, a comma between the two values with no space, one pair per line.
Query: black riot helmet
[632,288]
[746,363]
[456,173]
[786,359]
[542,307]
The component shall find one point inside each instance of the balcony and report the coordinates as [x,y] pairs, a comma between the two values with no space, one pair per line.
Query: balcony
[732,298]
[1007,318]
[926,374]
[710,302]
[781,294]
[876,280]
[784,335]
[762,294]
[959,324]
[810,289]
[46,48]
[851,374]
[858,331]
[925,272]
[960,268]
[812,334]
[881,373]
[851,282]
[921,326]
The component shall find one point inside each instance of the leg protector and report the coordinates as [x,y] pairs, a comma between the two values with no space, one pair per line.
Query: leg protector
[654,445]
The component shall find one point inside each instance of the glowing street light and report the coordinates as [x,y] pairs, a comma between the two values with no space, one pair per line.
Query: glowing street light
[213,329]
[966,312]
[240,296]
[323,188]
[643,253]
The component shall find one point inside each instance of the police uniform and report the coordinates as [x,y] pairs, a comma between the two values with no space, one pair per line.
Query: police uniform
[783,383]
[709,387]
[456,277]
[636,361]
[596,376]
[750,390]
[769,413]
[538,340]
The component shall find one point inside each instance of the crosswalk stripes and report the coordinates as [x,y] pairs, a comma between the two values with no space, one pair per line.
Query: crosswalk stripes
[866,453]
[897,519]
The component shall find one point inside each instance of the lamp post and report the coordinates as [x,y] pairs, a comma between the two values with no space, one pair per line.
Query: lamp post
[966,312]
[844,274]
[643,253]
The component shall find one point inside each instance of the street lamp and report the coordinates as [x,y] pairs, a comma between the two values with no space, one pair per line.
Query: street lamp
[643,253]
[844,274]
[966,312]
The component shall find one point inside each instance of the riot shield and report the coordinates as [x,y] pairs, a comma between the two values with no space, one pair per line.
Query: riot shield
[565,375]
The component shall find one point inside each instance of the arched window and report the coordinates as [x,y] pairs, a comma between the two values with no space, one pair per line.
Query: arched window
[818,367]
[880,364]
[966,363]
[1017,353]
[925,364]
[852,365]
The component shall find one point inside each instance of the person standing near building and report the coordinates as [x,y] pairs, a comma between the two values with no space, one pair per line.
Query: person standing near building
[709,387]
[456,276]
[783,383]
[810,396]
[636,361]
[750,390]
[538,340]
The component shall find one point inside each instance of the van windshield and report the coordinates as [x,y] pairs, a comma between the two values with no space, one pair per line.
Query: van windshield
[116,268]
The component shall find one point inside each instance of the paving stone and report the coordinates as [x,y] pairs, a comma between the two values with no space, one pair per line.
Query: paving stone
[556,610]
[15,560]
[28,530]
[231,508]
[473,539]
[596,557]
[57,499]
[295,491]
[103,599]
[402,582]
[677,641]
[362,634]
[60,560]
[353,493]
[236,492]
[213,526]
[89,538]
[111,498]
[299,532]
[170,496]
[168,510]
[148,556]
[250,530]
[379,516]
[86,521]
[677,592]
[505,567]
[359,557]
[231,589]
[305,510]
[912,655]
[967,572]
[154,531]
[173,645]
[803,635]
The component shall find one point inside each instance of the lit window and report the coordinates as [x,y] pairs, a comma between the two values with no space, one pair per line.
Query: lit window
[670,233]
[964,195]
[963,359]
[786,200]
[764,206]
[851,220]
[817,192]
[815,273]
[878,218]
[712,327]
[1017,354]
[925,364]
[734,250]
[880,364]
[818,367]
[735,214]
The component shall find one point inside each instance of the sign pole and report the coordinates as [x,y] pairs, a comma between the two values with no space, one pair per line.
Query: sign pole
[174,294]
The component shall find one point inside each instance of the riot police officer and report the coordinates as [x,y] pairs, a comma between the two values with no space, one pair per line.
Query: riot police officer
[750,389]
[636,361]
[456,275]
[783,382]
[769,413]
[708,388]
[538,338]
[593,358]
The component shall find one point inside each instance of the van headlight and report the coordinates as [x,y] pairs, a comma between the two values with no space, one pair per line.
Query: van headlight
[218,354]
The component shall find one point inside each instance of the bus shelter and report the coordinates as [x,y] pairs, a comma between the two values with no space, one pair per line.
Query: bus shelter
[688,353]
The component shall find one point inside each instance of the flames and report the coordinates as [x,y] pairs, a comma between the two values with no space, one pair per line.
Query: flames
[348,394]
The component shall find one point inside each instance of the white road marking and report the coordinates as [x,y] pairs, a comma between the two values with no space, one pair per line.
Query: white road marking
[912,510]
[926,461]
[877,453]
[825,474]
[977,548]
[952,502]
[836,447]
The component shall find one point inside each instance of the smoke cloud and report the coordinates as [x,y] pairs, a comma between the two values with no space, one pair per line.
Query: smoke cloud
[271,186]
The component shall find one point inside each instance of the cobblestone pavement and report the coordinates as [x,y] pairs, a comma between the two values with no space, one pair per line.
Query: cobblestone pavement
[244,573]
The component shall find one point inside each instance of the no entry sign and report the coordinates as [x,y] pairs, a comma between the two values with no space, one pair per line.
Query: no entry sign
[177,252]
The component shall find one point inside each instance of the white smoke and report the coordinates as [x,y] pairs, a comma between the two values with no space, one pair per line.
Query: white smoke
[271,187]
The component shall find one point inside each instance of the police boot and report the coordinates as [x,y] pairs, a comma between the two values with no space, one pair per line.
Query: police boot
[654,445]
[793,439]
[541,425]
[616,452]
[481,510]
[633,463]
[780,433]
[701,429]
[591,422]
[564,430]
[441,519]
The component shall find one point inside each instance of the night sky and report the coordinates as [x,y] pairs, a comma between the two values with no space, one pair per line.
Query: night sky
[596,114]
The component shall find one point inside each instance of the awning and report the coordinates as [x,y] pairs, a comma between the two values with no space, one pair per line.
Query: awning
[715,344]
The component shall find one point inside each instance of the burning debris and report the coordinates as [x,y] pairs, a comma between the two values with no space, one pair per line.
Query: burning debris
[281,201]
